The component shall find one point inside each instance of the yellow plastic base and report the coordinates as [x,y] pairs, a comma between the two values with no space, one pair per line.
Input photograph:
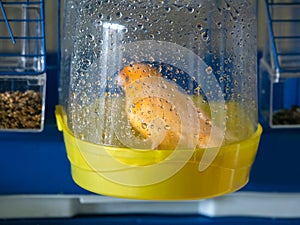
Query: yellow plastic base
[93,169]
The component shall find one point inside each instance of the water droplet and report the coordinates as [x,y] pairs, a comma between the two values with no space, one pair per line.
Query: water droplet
[91,37]
[204,36]
[191,10]
[168,9]
[199,26]
[167,127]
[125,30]
[209,70]
[133,28]
[127,19]
[171,22]
[234,17]
[140,25]
[164,86]
[124,60]
[144,125]
[119,14]
[87,62]
[207,122]
[151,59]
[82,136]
[98,23]
[228,7]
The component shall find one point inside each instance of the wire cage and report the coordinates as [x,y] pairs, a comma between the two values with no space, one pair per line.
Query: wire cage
[22,65]
[280,65]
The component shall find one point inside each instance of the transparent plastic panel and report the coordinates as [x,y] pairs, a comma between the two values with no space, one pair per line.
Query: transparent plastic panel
[280,68]
[27,54]
[208,56]
[22,103]
[284,21]
[22,66]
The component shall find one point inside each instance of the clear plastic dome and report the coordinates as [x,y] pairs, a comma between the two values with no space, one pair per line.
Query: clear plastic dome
[153,89]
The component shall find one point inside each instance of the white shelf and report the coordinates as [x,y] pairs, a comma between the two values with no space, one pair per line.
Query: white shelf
[251,204]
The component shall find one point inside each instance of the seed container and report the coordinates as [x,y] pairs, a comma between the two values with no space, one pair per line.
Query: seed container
[279,68]
[22,66]
[158,98]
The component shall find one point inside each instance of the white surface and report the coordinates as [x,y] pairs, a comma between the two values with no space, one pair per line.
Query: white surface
[253,204]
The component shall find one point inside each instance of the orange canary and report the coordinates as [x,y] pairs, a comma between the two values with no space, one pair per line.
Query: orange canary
[144,110]
[135,71]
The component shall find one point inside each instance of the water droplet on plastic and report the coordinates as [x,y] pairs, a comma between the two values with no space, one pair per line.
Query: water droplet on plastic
[164,86]
[191,10]
[209,70]
[133,28]
[82,136]
[98,23]
[140,25]
[167,127]
[144,125]
[199,26]
[91,37]
[151,59]
[168,9]
[207,122]
[100,16]
[119,14]
[87,62]
[204,36]
[127,19]
[125,30]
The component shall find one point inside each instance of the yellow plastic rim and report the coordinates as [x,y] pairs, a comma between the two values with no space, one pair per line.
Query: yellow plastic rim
[121,172]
